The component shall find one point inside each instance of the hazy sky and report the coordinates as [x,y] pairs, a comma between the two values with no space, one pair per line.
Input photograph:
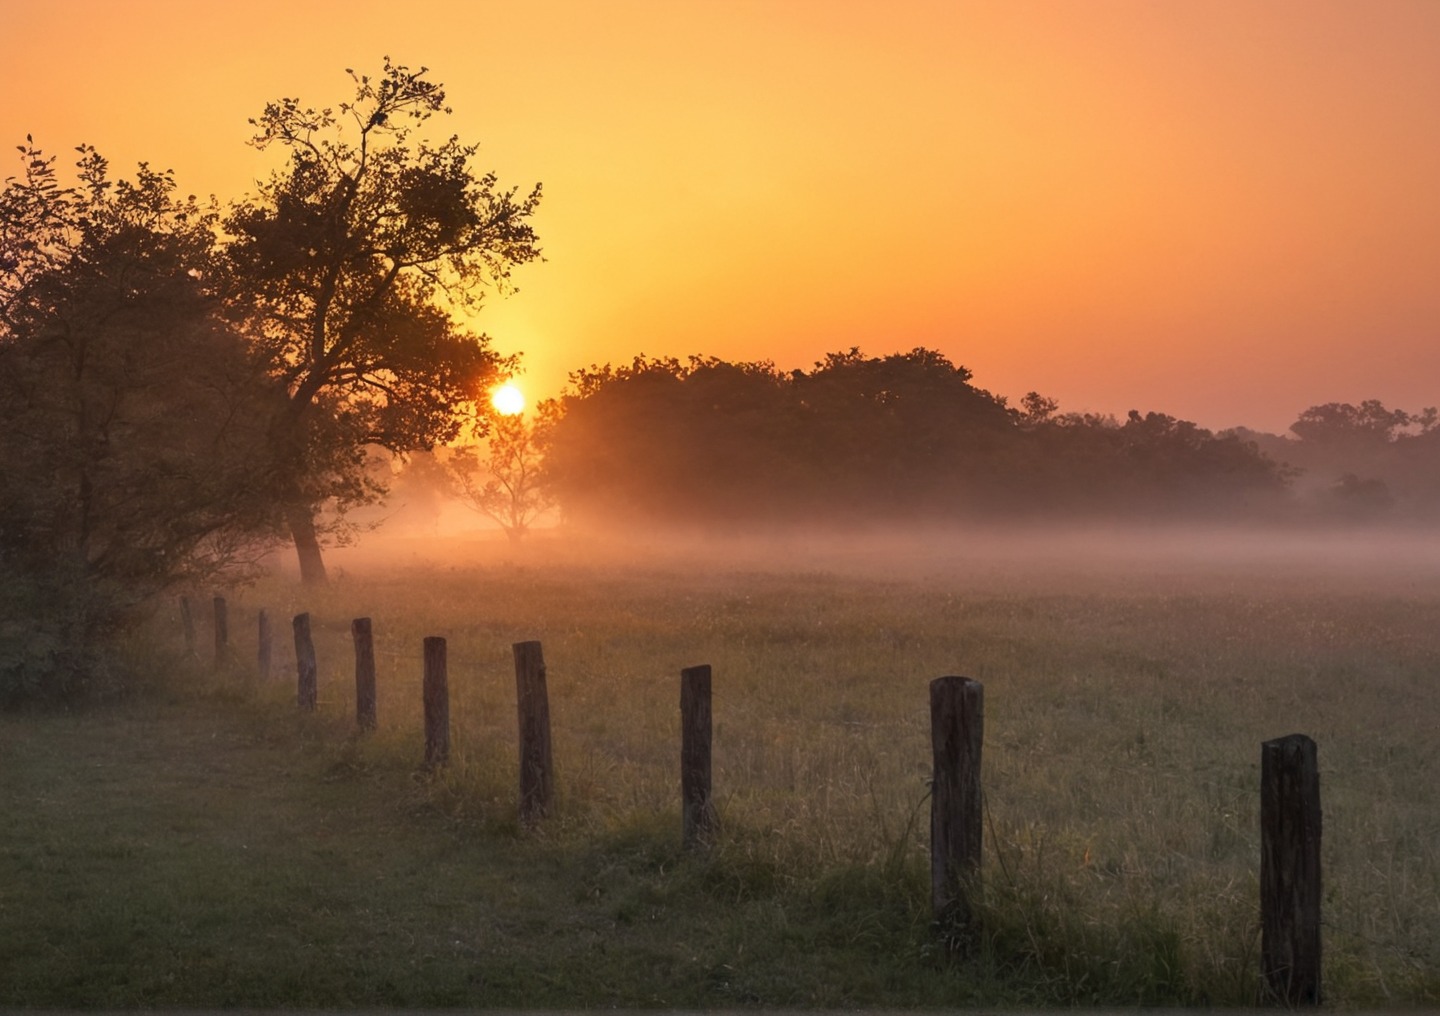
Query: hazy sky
[1227,210]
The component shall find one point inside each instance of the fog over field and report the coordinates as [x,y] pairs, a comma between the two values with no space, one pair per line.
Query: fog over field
[1130,675]
[970,555]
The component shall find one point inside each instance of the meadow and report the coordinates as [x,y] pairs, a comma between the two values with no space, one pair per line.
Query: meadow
[201,842]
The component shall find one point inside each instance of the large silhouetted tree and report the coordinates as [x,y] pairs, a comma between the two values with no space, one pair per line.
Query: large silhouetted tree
[343,271]
[133,417]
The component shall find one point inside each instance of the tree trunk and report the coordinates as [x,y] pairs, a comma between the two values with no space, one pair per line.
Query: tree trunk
[307,545]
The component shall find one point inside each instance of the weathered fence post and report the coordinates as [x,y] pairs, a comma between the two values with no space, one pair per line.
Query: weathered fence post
[436,690]
[364,673]
[1290,870]
[697,812]
[537,786]
[187,624]
[262,655]
[222,632]
[308,692]
[956,732]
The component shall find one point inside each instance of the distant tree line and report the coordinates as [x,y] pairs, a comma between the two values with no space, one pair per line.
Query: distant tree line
[898,438]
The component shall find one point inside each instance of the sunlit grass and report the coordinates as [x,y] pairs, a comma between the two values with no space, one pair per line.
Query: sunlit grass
[1124,714]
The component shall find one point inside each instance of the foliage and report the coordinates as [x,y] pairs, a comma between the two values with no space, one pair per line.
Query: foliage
[176,384]
[1368,423]
[343,271]
[1364,463]
[133,417]
[885,439]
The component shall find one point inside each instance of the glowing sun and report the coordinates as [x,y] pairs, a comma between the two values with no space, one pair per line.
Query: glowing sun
[508,400]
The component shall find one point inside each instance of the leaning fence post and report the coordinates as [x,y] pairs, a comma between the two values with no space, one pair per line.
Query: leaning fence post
[262,655]
[537,786]
[305,662]
[187,625]
[222,632]
[436,691]
[364,673]
[956,733]
[697,812]
[1290,870]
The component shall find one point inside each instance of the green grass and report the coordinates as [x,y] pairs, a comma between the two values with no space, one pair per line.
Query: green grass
[201,843]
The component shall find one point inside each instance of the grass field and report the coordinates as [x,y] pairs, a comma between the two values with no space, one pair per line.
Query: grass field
[201,843]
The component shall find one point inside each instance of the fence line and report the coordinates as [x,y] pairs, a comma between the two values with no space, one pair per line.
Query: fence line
[537,784]
[263,647]
[436,694]
[1290,870]
[697,823]
[222,631]
[365,717]
[307,690]
[1290,811]
[956,816]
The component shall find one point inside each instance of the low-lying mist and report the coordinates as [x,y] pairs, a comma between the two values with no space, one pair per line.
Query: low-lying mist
[1130,672]
[965,554]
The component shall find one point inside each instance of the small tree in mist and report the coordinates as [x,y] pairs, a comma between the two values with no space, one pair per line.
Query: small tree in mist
[504,479]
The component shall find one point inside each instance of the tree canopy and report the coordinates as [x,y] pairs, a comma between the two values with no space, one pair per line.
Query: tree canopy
[180,384]
[898,438]
[1369,423]
[133,415]
[343,271]
[1362,462]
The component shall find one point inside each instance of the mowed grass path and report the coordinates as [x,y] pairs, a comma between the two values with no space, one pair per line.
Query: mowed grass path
[175,853]
[200,851]
[201,844]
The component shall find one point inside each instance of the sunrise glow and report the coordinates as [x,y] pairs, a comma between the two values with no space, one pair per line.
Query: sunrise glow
[508,400]
[1221,210]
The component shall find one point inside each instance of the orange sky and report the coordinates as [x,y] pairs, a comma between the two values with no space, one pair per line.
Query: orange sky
[1227,210]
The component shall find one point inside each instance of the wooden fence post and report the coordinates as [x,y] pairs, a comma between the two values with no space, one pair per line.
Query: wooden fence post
[187,624]
[222,632]
[956,733]
[436,690]
[537,786]
[697,811]
[364,673]
[262,655]
[308,692]
[1290,870]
